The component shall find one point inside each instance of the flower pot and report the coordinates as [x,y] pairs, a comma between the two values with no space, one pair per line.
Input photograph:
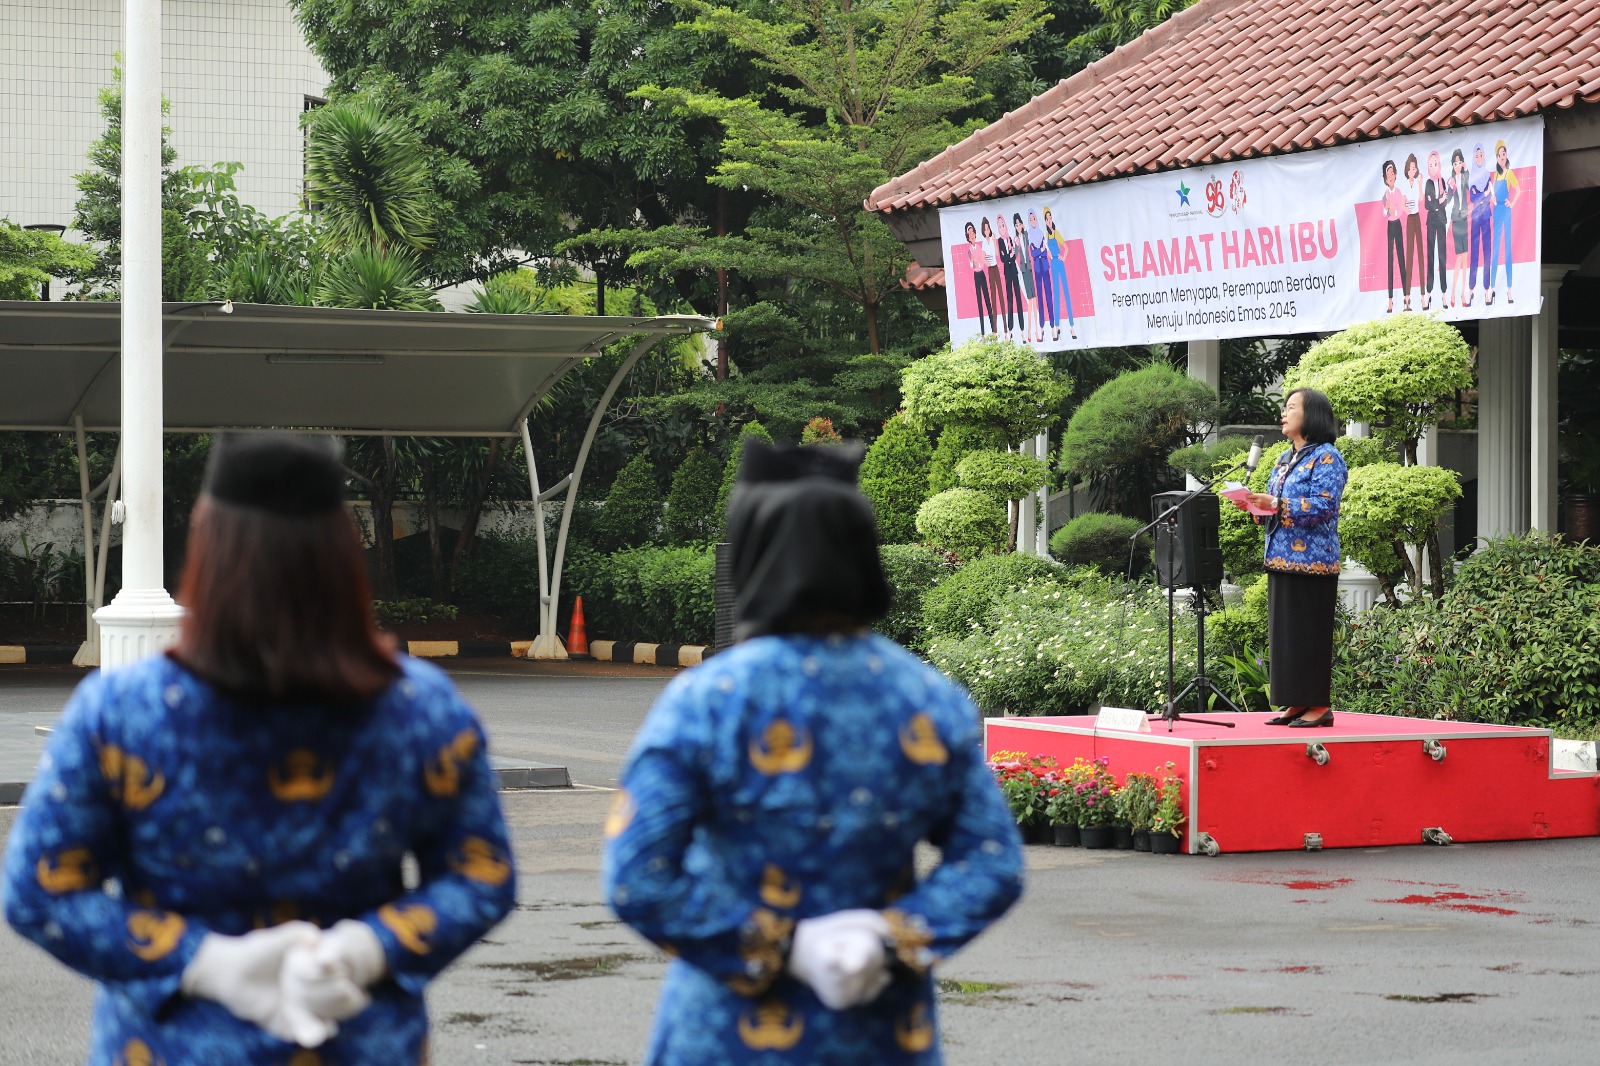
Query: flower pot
[1036,833]
[1094,836]
[1581,513]
[1164,843]
[1066,836]
[1122,837]
[1141,840]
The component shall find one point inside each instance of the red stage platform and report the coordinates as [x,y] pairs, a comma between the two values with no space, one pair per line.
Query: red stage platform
[1255,787]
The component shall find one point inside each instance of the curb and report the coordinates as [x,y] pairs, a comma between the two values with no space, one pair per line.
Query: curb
[25,654]
[467,649]
[625,651]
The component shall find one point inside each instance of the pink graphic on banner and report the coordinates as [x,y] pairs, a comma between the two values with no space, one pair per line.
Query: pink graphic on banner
[1078,283]
[1373,229]
[958,275]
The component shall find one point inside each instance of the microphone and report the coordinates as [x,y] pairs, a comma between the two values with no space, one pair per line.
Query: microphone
[1254,458]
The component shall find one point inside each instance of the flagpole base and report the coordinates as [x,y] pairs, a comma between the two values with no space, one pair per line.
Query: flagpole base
[137,624]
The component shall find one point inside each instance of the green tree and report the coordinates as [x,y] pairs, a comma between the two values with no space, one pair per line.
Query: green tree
[954,443]
[367,176]
[692,501]
[964,521]
[1005,476]
[1122,435]
[998,388]
[861,92]
[730,469]
[1122,21]
[30,258]
[632,512]
[894,476]
[1387,507]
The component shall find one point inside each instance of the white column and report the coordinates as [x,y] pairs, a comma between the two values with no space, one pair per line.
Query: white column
[1027,511]
[1543,413]
[143,619]
[1505,348]
[1205,364]
[1041,542]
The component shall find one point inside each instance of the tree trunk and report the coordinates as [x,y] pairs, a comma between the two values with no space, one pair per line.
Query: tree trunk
[1015,507]
[474,513]
[871,308]
[430,506]
[1412,577]
[1389,594]
[1435,564]
[722,288]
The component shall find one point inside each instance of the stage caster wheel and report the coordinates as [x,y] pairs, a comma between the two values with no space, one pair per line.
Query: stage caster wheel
[1207,845]
[1433,750]
[1435,835]
[1313,841]
[1318,753]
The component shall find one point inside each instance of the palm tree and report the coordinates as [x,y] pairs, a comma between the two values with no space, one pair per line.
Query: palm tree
[367,177]
[376,277]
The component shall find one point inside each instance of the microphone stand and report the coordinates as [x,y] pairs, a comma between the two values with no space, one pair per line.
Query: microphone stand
[1201,683]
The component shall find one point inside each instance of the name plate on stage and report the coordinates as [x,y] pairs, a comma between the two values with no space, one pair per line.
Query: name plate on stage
[1126,719]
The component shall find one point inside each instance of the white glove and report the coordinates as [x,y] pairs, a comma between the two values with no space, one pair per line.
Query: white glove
[324,989]
[242,973]
[842,957]
[351,948]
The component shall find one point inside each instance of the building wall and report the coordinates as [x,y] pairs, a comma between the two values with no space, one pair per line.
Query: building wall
[236,73]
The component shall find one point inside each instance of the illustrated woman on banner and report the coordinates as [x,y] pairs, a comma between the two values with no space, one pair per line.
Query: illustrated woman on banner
[1459,226]
[1505,192]
[1057,247]
[1010,252]
[1481,240]
[980,278]
[1435,196]
[991,263]
[1043,285]
[1394,210]
[1416,263]
[1025,271]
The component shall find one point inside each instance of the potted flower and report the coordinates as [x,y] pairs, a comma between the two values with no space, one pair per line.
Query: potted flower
[1166,826]
[1065,805]
[1025,782]
[1096,792]
[1136,803]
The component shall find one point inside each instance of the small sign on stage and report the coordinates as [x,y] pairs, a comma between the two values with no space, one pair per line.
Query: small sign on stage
[1126,719]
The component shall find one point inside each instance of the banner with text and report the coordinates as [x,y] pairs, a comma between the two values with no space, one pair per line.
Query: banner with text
[1446,223]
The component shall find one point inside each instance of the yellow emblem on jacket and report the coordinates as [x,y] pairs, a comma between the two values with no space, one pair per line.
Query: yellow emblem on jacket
[137,1053]
[478,861]
[777,890]
[1305,505]
[302,777]
[913,1031]
[304,1058]
[72,871]
[771,1026]
[1327,460]
[132,781]
[1298,545]
[919,739]
[620,816]
[442,774]
[153,934]
[411,924]
[781,750]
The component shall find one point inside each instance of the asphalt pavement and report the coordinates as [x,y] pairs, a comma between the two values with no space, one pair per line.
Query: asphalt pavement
[1470,954]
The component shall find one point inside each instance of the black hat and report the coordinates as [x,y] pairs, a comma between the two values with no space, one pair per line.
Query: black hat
[805,542]
[284,474]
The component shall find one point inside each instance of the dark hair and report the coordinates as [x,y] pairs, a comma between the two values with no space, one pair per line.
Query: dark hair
[972,230]
[986,227]
[1317,424]
[1016,220]
[1457,157]
[1411,161]
[1388,165]
[277,607]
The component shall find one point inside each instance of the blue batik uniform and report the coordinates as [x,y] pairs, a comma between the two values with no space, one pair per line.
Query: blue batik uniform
[1303,538]
[202,814]
[788,778]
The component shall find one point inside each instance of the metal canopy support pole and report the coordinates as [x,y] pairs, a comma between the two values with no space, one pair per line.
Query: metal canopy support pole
[547,623]
[544,641]
[89,651]
[143,619]
[108,516]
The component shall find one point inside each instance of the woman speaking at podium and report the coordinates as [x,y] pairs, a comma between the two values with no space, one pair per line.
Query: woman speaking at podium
[1302,559]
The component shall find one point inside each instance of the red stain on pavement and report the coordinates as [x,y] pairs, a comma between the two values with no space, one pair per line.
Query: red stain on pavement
[1455,901]
[1316,886]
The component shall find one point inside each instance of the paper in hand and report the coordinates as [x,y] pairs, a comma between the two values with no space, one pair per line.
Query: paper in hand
[1237,493]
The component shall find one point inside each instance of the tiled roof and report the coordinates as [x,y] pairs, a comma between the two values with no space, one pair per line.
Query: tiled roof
[1232,79]
[919,277]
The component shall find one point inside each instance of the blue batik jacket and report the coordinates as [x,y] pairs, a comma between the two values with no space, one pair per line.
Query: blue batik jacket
[163,811]
[792,777]
[1303,537]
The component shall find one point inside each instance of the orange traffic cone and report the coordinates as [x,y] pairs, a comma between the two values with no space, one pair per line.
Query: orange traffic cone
[578,633]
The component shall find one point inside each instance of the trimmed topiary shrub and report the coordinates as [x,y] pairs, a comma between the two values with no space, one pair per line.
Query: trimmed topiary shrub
[654,594]
[1387,507]
[1003,475]
[912,570]
[1000,387]
[952,446]
[952,609]
[632,512]
[730,470]
[894,476]
[820,431]
[1101,541]
[964,521]
[692,516]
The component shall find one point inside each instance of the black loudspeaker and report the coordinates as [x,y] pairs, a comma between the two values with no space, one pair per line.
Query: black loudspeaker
[725,596]
[1196,558]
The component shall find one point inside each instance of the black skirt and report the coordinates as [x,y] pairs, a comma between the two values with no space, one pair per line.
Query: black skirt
[1300,611]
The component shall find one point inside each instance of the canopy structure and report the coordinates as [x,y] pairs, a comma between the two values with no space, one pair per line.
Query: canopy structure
[256,366]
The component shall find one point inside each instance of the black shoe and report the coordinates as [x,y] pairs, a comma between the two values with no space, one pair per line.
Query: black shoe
[1288,717]
[1312,723]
